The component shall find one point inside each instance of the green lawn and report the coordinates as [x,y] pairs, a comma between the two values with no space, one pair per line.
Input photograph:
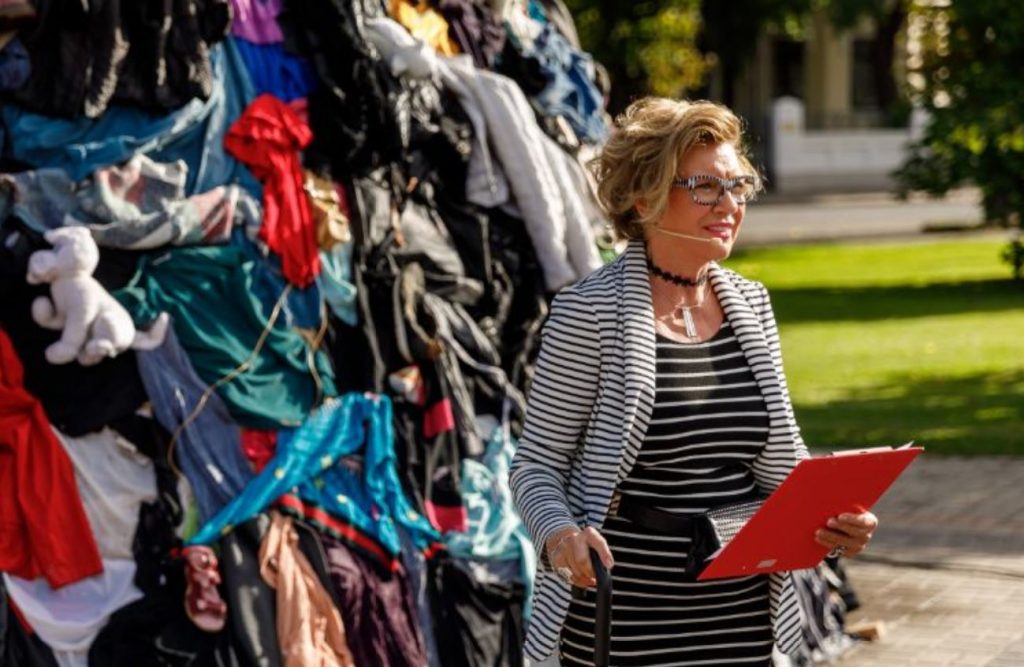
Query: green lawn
[884,343]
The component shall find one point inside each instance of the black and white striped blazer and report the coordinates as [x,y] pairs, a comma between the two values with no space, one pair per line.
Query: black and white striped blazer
[590,404]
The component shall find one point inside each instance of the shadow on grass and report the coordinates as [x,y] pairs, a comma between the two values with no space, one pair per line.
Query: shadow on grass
[979,414]
[842,304]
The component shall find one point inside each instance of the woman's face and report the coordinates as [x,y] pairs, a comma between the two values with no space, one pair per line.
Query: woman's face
[720,223]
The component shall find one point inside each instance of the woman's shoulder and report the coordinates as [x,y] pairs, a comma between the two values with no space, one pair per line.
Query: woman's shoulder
[582,303]
[752,290]
[599,281]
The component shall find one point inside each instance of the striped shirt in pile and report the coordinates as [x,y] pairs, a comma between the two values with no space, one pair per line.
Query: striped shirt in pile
[708,424]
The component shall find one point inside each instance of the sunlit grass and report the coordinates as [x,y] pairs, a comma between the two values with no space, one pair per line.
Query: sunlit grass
[885,343]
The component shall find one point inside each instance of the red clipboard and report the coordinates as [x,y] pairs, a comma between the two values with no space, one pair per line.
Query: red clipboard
[780,536]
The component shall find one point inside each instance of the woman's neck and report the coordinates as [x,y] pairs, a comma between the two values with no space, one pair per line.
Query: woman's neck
[682,265]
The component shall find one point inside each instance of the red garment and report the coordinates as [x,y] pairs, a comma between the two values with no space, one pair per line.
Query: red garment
[438,418]
[259,447]
[43,527]
[446,518]
[267,137]
[343,201]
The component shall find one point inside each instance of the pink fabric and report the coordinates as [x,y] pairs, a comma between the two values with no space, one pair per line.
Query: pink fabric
[256,21]
[309,625]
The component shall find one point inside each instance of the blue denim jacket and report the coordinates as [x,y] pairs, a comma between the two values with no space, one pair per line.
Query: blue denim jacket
[570,91]
[209,447]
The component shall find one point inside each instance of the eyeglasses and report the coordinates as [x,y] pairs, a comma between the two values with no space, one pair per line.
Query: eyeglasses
[708,190]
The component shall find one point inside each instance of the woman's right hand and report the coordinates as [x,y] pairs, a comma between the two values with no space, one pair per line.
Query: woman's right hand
[570,548]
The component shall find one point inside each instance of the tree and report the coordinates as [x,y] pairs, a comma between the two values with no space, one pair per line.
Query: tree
[968,76]
[648,47]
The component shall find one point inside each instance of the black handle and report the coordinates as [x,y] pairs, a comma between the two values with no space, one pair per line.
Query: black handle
[603,613]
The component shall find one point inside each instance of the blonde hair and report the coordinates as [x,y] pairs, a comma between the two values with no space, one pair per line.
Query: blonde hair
[641,159]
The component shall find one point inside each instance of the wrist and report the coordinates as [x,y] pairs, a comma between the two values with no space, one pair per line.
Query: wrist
[559,539]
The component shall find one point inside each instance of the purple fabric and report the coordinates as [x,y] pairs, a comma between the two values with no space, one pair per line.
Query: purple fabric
[378,609]
[475,28]
[256,21]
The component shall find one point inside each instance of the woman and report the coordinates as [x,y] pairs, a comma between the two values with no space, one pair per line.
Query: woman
[659,393]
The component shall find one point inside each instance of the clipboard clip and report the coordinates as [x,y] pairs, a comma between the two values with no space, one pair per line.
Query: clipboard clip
[872,450]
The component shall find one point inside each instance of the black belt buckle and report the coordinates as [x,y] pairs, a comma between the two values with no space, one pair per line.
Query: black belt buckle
[704,543]
[704,540]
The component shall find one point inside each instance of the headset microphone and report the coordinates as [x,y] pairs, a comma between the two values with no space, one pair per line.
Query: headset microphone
[687,236]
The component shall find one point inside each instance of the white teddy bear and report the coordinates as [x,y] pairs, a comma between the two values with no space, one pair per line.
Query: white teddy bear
[95,326]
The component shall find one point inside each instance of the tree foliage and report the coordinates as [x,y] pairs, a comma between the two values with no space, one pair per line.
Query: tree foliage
[648,47]
[969,77]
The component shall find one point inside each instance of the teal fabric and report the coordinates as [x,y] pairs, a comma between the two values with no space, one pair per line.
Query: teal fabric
[495,531]
[218,318]
[310,459]
[335,282]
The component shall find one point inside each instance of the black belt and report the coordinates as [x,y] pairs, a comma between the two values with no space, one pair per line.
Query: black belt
[655,519]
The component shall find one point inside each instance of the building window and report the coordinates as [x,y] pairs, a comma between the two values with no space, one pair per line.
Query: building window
[865,97]
[788,68]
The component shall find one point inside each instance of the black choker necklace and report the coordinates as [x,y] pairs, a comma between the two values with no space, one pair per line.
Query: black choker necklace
[673,278]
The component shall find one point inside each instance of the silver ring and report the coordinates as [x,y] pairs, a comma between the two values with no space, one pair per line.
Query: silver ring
[565,573]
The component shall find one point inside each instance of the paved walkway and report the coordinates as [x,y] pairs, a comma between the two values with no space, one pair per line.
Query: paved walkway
[775,220]
[946,569]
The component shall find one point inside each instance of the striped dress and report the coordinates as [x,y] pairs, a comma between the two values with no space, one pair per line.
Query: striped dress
[708,424]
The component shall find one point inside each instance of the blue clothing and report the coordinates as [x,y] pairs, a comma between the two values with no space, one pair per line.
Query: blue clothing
[335,282]
[15,66]
[310,458]
[194,133]
[495,531]
[213,293]
[418,572]
[570,91]
[302,307]
[140,205]
[536,11]
[209,448]
[274,71]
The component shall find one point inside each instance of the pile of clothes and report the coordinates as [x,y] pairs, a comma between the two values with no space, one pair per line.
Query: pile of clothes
[272,274]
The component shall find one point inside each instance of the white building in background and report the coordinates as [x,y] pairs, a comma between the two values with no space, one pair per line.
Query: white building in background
[806,160]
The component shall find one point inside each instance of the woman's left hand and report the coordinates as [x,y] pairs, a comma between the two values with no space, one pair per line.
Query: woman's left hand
[848,533]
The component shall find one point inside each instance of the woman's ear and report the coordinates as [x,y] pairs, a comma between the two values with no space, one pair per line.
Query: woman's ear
[641,206]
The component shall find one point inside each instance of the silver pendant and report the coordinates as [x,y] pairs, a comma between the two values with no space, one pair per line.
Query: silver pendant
[688,323]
